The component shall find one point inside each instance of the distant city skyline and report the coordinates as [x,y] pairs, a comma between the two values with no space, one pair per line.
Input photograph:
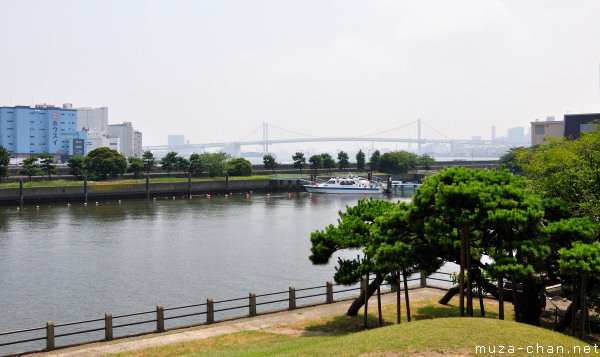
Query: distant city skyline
[216,70]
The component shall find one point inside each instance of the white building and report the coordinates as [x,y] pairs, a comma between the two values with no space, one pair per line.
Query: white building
[92,119]
[124,132]
[137,144]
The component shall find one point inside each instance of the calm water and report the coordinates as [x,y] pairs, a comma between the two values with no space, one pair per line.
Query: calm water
[75,263]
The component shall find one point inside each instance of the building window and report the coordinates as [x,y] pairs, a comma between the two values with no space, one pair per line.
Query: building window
[9,121]
[539,130]
[587,128]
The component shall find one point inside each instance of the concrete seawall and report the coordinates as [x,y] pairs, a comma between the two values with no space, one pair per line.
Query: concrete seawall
[103,191]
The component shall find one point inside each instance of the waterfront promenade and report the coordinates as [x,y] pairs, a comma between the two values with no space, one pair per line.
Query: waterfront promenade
[274,322]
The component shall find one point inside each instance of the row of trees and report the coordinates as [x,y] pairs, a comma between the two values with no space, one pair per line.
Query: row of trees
[391,162]
[539,230]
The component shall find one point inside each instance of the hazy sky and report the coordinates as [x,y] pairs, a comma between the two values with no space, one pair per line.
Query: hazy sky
[215,70]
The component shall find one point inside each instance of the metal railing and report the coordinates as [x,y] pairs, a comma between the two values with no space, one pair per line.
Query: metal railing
[157,316]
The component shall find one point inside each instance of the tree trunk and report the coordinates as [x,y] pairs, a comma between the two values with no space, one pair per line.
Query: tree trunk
[574,299]
[461,278]
[500,287]
[379,299]
[481,308]
[404,277]
[469,272]
[583,307]
[398,306]
[360,301]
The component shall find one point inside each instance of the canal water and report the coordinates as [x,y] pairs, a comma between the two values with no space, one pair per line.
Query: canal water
[71,263]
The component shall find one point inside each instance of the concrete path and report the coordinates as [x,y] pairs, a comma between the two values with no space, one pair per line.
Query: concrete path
[268,322]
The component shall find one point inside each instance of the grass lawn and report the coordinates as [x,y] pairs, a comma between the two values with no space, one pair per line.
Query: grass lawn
[435,331]
[55,183]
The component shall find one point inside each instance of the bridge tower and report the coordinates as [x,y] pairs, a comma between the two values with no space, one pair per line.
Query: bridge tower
[265,138]
[419,137]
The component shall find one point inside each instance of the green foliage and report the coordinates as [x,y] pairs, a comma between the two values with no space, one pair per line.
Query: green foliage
[103,162]
[270,163]
[4,161]
[30,167]
[299,161]
[510,160]
[182,164]
[215,163]
[197,165]
[328,162]
[567,170]
[136,166]
[581,258]
[360,160]
[75,164]
[169,162]
[149,161]
[353,231]
[343,160]
[239,167]
[375,160]
[316,162]
[47,164]
[398,162]
[425,161]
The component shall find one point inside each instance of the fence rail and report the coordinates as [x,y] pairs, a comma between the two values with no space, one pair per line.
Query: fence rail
[158,318]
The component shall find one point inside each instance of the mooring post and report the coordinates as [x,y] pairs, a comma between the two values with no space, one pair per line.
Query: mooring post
[189,184]
[210,311]
[160,318]
[49,335]
[21,191]
[389,183]
[252,304]
[147,185]
[108,326]
[329,298]
[85,189]
[292,298]
[423,282]
[227,181]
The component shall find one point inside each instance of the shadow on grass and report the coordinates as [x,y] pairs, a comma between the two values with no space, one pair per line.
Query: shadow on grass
[425,309]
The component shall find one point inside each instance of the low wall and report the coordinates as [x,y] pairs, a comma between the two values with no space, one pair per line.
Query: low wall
[103,191]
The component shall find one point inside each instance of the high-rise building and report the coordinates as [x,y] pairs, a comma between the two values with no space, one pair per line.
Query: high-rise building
[124,132]
[91,119]
[27,131]
[137,144]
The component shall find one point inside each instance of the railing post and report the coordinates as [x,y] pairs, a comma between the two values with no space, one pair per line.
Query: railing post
[252,304]
[210,311]
[292,298]
[50,335]
[329,298]
[423,282]
[108,326]
[160,318]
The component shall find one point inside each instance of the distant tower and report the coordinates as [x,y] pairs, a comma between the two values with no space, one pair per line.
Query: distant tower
[493,133]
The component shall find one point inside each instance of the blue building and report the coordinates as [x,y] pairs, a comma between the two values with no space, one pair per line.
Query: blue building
[27,131]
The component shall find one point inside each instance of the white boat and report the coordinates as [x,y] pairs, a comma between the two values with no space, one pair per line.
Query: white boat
[351,185]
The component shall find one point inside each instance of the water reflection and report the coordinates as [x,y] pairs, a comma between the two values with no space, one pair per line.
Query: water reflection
[71,263]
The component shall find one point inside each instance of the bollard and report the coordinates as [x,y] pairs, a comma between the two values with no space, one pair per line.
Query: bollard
[252,304]
[49,335]
[190,184]
[85,189]
[423,282]
[147,185]
[292,298]
[160,318]
[21,192]
[210,311]
[108,326]
[329,298]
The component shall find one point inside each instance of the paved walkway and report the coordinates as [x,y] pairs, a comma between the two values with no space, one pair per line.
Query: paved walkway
[268,322]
